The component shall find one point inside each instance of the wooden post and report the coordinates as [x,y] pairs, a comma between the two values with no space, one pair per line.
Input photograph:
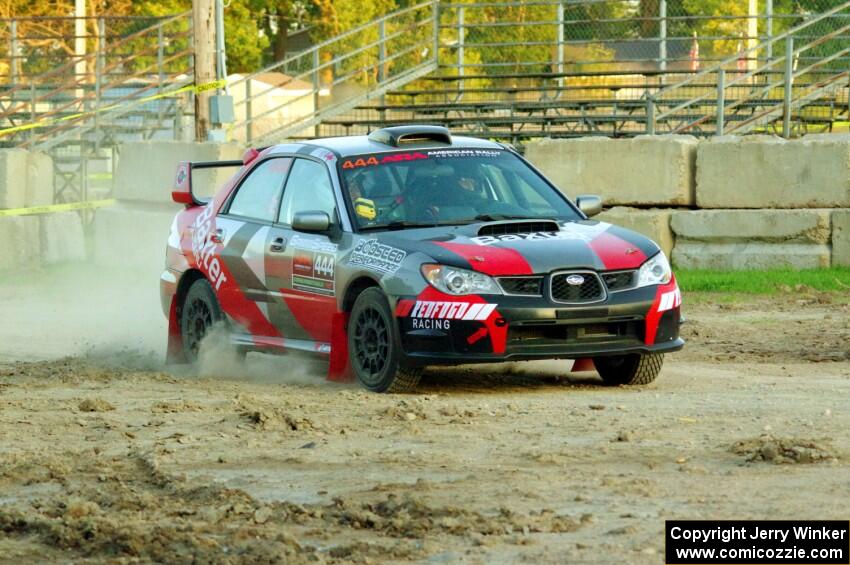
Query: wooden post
[203,42]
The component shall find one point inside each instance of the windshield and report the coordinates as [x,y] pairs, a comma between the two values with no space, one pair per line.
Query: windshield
[447,186]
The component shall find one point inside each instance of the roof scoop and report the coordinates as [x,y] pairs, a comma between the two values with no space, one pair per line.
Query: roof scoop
[519,226]
[403,136]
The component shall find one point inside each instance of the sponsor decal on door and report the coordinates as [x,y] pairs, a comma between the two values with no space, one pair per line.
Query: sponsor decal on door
[313,271]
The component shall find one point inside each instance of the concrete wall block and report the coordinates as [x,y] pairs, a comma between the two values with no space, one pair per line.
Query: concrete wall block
[62,238]
[770,172]
[141,228]
[841,238]
[653,223]
[13,178]
[646,170]
[780,226]
[21,246]
[146,169]
[750,255]
[40,179]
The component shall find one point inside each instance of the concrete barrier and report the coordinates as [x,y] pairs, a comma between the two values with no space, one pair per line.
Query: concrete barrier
[643,171]
[21,247]
[752,239]
[146,169]
[841,238]
[62,238]
[132,232]
[654,223]
[40,179]
[742,256]
[26,179]
[770,172]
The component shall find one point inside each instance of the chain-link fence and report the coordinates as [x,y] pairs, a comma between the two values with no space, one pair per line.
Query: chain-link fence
[544,68]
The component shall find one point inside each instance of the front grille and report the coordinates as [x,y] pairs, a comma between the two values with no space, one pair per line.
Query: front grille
[619,280]
[507,228]
[527,286]
[590,290]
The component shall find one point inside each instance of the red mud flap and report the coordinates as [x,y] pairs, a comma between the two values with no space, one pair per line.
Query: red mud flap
[174,354]
[583,364]
[339,368]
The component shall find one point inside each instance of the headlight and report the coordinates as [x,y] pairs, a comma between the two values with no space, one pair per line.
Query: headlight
[452,280]
[655,271]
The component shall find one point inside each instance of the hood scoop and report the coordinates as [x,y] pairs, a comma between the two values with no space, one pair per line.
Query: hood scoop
[519,226]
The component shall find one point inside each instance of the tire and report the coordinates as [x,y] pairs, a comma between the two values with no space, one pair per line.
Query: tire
[199,313]
[374,348]
[633,369]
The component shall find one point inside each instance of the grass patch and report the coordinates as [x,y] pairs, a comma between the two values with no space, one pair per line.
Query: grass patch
[763,282]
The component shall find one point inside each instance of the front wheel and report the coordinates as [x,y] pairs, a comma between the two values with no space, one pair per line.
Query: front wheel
[632,369]
[373,346]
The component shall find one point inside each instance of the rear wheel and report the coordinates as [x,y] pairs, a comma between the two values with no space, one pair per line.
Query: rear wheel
[633,369]
[199,314]
[373,346]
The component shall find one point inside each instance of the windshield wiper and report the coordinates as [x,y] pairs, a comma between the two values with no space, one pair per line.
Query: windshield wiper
[497,217]
[400,225]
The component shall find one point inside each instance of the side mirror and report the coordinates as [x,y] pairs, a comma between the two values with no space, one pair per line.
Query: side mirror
[590,204]
[312,221]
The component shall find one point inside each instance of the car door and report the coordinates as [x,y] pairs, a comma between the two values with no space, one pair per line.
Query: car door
[301,268]
[244,229]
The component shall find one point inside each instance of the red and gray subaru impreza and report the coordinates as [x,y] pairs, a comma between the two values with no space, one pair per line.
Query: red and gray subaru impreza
[409,247]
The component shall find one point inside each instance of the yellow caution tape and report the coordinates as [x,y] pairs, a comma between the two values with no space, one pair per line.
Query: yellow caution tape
[44,123]
[92,204]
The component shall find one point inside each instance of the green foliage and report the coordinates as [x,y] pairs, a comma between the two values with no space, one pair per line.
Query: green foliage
[763,282]
[526,39]
[245,43]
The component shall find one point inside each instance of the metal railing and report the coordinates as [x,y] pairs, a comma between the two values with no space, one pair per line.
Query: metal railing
[816,51]
[293,95]
[77,96]
[578,36]
[517,70]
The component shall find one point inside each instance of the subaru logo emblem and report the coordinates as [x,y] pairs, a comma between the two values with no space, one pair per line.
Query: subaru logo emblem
[575,280]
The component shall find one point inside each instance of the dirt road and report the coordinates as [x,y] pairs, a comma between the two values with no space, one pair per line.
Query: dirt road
[109,456]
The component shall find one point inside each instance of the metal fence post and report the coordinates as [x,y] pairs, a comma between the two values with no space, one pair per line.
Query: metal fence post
[768,12]
[650,114]
[461,38]
[160,56]
[662,34]
[249,133]
[316,88]
[32,107]
[436,23]
[789,81]
[721,102]
[13,52]
[382,50]
[382,56]
[98,77]
[560,67]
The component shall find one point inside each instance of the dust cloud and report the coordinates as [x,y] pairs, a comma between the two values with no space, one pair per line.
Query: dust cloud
[220,359]
[112,318]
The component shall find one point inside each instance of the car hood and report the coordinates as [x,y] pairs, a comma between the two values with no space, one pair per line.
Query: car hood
[523,247]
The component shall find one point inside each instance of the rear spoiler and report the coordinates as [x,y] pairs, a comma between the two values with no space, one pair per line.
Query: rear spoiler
[182,191]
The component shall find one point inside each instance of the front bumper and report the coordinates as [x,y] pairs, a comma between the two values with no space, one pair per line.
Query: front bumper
[526,328]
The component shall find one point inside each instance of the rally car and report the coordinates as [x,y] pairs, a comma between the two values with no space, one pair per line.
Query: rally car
[410,247]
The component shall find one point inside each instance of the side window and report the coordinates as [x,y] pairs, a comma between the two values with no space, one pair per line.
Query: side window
[308,189]
[258,196]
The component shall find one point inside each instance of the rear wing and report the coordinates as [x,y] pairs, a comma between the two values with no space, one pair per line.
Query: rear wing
[182,191]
